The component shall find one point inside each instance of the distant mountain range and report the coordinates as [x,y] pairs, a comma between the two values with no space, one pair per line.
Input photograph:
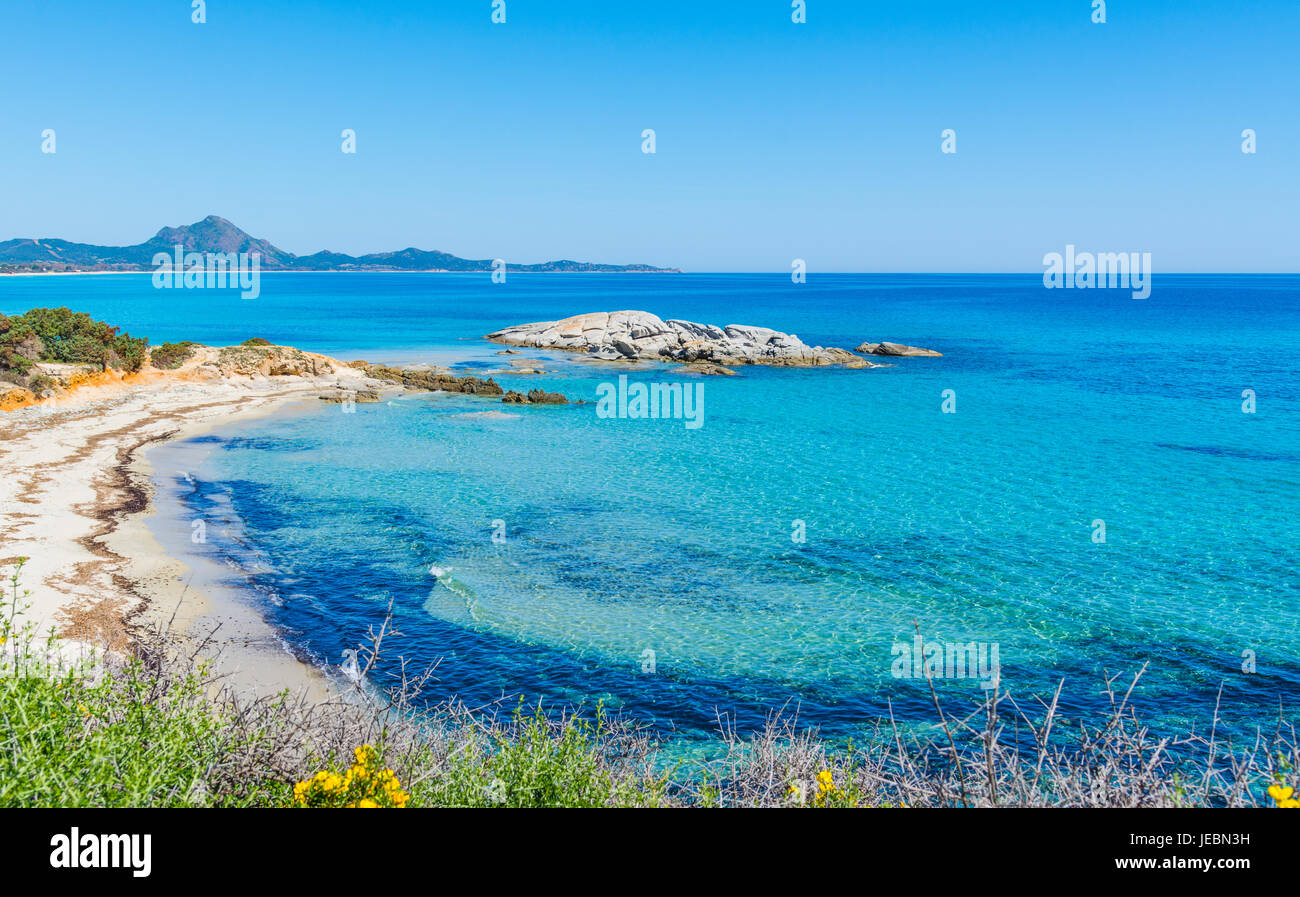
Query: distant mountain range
[214,234]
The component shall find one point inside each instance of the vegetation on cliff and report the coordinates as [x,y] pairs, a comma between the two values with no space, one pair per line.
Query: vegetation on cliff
[170,356]
[62,336]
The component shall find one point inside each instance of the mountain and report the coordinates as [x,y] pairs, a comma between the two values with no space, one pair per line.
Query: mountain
[214,234]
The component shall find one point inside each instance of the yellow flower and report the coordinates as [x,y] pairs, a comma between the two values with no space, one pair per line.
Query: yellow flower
[1283,796]
[364,784]
[825,781]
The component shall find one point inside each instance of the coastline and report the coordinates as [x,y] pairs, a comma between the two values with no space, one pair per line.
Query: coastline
[333,271]
[182,598]
[77,497]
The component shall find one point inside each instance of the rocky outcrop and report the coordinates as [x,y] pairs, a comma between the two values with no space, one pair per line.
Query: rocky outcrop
[267,361]
[534,397]
[359,396]
[628,335]
[432,379]
[12,397]
[896,349]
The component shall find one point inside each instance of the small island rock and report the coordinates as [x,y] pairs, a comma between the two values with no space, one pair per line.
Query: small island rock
[896,349]
[632,335]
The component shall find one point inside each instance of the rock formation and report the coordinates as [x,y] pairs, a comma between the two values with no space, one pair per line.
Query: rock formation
[264,361]
[625,335]
[432,379]
[534,397]
[359,396]
[429,378]
[897,349]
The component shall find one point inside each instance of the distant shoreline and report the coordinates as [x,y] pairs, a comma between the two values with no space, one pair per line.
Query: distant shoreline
[678,272]
[215,235]
[334,271]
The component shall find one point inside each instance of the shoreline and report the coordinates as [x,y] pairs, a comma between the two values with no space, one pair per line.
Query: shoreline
[250,653]
[78,494]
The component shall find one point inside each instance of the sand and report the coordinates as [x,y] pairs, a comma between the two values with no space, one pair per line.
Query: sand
[75,493]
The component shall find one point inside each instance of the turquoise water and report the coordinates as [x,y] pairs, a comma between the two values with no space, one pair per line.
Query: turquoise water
[623,536]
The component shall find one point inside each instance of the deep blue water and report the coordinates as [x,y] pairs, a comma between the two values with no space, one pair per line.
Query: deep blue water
[628,535]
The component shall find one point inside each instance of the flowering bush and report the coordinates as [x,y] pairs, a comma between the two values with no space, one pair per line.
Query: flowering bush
[823,793]
[1284,796]
[365,785]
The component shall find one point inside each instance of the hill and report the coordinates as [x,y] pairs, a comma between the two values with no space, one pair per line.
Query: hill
[215,234]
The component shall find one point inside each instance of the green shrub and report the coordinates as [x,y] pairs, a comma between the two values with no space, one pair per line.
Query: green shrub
[62,335]
[170,356]
[115,743]
[121,733]
[130,352]
[365,784]
[256,341]
[39,383]
[82,737]
[538,762]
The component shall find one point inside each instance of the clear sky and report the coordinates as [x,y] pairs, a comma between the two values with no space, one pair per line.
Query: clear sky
[774,140]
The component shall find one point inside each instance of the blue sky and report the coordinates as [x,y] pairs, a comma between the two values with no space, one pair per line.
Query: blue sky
[819,141]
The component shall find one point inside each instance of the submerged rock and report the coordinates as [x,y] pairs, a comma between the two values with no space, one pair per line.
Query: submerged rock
[630,335]
[486,415]
[897,349]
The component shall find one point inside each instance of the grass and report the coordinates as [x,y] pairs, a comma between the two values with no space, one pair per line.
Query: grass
[109,735]
[158,729]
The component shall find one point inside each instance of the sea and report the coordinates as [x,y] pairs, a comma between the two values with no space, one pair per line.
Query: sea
[1084,487]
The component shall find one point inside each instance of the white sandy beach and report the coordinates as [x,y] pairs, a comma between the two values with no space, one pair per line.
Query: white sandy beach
[75,491]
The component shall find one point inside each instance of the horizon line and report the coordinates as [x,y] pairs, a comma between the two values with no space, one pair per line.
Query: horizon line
[679,272]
